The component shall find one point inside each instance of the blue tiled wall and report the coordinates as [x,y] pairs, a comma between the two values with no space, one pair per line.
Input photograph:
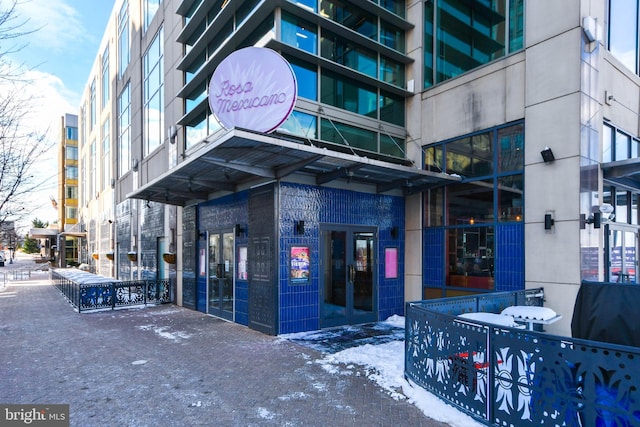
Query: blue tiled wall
[300,303]
[509,257]
[433,257]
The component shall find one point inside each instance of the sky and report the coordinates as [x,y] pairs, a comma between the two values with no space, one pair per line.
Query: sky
[57,54]
[384,365]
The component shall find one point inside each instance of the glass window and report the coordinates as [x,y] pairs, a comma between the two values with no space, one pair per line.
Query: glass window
[153,75]
[342,134]
[351,17]
[92,105]
[471,257]
[469,34]
[307,78]
[71,172]
[623,32]
[93,184]
[510,198]
[622,146]
[300,124]
[470,203]
[393,6]
[124,124]
[433,158]
[123,38]
[72,133]
[434,200]
[72,212]
[634,148]
[106,153]
[392,37]
[391,72]
[71,152]
[311,5]
[393,146]
[350,95]
[71,192]
[392,108]
[150,8]
[621,207]
[511,148]
[427,46]
[299,33]
[607,137]
[348,54]
[106,84]
[196,131]
[470,156]
[634,208]
[516,25]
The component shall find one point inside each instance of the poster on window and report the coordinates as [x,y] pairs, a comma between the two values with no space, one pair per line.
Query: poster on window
[242,263]
[299,264]
[203,262]
[391,263]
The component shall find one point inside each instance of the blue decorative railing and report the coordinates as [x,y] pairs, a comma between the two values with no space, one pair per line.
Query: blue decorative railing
[505,376]
[111,294]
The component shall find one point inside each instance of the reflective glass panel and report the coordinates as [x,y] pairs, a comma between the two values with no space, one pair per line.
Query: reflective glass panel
[470,203]
[510,198]
[299,33]
[623,32]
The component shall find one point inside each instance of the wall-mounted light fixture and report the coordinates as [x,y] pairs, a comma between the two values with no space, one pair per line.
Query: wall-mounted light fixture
[134,165]
[240,230]
[547,155]
[595,219]
[299,227]
[549,222]
[394,232]
[590,28]
[172,133]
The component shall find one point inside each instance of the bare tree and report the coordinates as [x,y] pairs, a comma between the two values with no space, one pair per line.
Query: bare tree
[20,146]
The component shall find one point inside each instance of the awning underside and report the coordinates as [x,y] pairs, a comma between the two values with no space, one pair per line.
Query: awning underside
[623,173]
[237,159]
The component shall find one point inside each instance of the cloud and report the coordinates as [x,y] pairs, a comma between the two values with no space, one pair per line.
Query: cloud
[56,25]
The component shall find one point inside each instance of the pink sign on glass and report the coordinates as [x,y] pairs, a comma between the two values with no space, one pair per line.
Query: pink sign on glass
[253,88]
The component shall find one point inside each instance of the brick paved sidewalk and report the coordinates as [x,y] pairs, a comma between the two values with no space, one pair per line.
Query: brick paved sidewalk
[169,366]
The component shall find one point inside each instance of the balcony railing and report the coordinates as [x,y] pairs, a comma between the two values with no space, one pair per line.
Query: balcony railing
[99,293]
[506,376]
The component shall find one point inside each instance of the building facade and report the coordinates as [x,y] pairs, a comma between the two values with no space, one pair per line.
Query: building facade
[436,148]
[70,236]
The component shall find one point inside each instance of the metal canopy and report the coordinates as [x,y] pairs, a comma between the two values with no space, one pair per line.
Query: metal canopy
[235,159]
[623,173]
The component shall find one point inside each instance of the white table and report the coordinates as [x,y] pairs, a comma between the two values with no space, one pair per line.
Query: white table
[532,315]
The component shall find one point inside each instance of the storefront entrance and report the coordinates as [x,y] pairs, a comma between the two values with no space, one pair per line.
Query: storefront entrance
[347,275]
[621,251]
[220,289]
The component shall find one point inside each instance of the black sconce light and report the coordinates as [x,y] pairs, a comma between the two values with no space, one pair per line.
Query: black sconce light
[299,227]
[394,232]
[547,155]
[595,219]
[239,230]
[200,234]
[548,221]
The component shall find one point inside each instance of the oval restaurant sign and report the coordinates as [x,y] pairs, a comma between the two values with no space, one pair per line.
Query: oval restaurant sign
[253,88]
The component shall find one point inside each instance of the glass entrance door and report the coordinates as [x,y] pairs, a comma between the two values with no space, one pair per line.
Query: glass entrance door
[621,252]
[348,276]
[220,295]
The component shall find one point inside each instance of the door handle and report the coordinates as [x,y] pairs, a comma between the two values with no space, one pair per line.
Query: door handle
[352,273]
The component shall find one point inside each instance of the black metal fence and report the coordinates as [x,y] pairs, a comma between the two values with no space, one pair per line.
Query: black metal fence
[101,294]
[505,376]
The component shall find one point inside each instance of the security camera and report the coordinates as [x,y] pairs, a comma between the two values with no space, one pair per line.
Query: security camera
[606,208]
